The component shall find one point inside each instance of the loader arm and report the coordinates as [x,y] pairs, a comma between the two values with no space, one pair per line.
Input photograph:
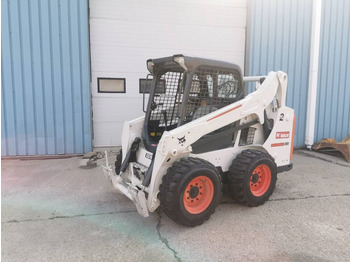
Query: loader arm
[253,104]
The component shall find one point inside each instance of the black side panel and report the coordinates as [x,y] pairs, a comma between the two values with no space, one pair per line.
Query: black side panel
[219,139]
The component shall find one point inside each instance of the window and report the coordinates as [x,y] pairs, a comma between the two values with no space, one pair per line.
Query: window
[145,86]
[111,85]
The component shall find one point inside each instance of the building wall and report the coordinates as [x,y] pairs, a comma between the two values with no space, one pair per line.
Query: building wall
[333,95]
[279,39]
[124,34]
[45,101]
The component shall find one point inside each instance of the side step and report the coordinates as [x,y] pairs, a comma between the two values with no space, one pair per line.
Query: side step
[281,169]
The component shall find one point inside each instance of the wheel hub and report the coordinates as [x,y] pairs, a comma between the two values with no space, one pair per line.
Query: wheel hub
[260,180]
[198,194]
[255,178]
[194,191]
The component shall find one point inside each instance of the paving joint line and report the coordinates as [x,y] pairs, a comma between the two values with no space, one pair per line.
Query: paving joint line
[292,198]
[323,159]
[73,216]
[308,197]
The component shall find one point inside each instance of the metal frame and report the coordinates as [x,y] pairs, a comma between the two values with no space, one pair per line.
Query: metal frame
[313,73]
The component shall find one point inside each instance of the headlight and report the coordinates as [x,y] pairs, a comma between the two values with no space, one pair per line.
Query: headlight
[180,60]
[150,66]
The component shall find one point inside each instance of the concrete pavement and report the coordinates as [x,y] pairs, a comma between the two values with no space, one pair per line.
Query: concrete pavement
[55,210]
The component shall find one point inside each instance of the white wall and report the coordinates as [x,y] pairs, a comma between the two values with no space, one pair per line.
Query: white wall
[124,34]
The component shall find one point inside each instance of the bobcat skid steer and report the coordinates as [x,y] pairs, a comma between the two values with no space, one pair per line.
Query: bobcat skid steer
[198,128]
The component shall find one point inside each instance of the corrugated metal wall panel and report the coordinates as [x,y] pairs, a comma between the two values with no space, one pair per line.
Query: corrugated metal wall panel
[45,77]
[279,39]
[333,96]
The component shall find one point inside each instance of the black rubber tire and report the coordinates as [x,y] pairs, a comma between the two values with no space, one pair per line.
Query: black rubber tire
[240,174]
[173,187]
[118,161]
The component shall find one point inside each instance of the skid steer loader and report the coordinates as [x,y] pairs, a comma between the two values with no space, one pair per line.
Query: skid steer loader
[198,128]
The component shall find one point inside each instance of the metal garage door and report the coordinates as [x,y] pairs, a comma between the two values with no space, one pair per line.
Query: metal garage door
[45,95]
[279,39]
[124,34]
[333,94]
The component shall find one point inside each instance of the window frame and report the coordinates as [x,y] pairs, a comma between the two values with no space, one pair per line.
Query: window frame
[151,79]
[111,92]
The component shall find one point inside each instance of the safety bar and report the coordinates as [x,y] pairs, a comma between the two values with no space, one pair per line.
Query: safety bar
[253,78]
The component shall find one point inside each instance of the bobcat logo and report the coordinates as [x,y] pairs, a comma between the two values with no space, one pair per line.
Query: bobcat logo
[182,140]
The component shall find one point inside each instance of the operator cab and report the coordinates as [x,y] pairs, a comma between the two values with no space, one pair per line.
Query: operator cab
[184,89]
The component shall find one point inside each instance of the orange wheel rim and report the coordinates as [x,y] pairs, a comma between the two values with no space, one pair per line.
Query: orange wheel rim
[198,194]
[260,180]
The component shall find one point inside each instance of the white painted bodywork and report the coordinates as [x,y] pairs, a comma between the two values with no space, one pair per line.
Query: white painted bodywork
[124,34]
[271,96]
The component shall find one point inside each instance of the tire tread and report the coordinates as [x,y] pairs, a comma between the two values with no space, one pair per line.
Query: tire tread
[169,189]
[239,170]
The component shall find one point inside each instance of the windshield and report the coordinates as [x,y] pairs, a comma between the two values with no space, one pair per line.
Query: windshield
[165,104]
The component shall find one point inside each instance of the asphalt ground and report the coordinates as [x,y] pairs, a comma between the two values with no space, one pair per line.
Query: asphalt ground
[60,210]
